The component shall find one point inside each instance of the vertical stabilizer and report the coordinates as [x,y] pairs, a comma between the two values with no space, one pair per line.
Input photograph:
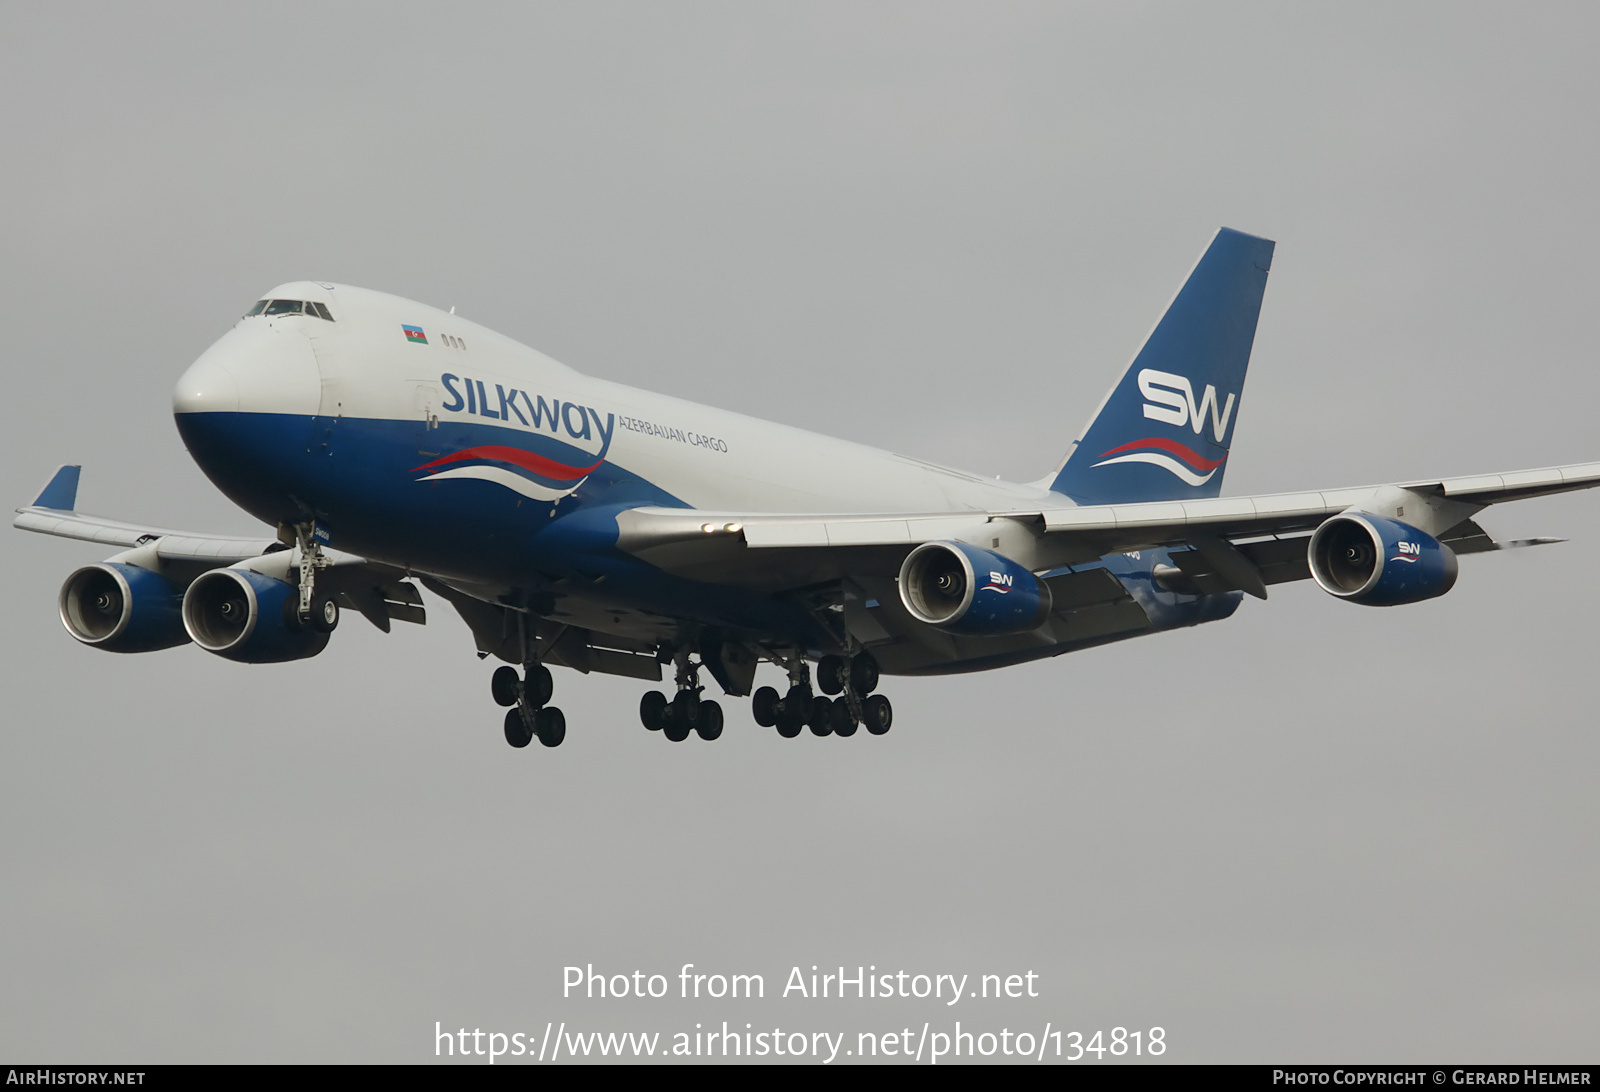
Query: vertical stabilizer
[1164,431]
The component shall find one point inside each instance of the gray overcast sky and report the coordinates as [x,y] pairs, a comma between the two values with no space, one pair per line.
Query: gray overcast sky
[1315,832]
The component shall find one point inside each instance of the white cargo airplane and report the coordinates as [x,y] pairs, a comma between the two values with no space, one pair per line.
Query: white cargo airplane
[580,523]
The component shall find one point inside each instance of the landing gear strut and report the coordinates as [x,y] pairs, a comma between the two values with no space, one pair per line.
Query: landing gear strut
[687,711]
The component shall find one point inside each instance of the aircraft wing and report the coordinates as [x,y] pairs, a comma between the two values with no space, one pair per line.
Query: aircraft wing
[376,590]
[169,544]
[730,546]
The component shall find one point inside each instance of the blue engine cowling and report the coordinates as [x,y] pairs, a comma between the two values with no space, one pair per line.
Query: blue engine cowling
[122,608]
[963,589]
[1380,562]
[248,617]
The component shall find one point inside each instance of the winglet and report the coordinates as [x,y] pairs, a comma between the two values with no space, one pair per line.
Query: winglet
[61,492]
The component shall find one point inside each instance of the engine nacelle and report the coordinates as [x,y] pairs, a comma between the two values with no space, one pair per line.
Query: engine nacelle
[246,616]
[122,608]
[1380,562]
[964,589]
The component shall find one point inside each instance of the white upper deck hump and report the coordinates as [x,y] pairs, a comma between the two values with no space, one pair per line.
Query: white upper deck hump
[381,316]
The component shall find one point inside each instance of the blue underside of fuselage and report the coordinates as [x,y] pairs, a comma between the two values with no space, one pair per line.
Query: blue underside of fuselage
[363,480]
[360,479]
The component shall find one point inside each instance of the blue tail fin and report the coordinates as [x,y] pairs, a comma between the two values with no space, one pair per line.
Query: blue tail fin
[1164,430]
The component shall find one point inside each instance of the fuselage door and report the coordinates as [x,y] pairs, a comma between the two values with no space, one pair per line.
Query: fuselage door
[425,407]
[338,367]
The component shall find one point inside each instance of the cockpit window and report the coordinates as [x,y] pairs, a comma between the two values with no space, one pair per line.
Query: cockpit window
[291,307]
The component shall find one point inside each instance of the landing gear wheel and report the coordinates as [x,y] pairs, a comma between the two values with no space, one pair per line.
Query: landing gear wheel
[878,714]
[293,620]
[683,716]
[324,613]
[710,726]
[793,711]
[831,674]
[538,685]
[550,725]
[518,734]
[843,723]
[764,706]
[821,719]
[653,710]
[686,707]
[504,686]
[863,674]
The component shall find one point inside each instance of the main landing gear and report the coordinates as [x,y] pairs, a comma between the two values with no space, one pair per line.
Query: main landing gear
[686,712]
[853,680]
[530,713]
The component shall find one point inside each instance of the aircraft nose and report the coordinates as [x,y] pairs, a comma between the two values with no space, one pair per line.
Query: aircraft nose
[208,386]
[252,369]
[244,410]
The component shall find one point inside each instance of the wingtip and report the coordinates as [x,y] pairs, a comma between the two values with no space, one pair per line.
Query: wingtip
[61,491]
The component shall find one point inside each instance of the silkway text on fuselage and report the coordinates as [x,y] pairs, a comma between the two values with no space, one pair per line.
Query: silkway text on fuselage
[533,411]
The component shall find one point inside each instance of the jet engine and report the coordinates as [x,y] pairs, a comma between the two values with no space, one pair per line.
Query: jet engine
[1379,562]
[122,608]
[246,616]
[964,589]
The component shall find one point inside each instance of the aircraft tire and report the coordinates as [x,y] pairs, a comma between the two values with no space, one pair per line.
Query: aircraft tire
[538,686]
[504,686]
[676,729]
[878,714]
[843,723]
[792,717]
[821,718]
[764,706]
[324,613]
[831,674]
[710,726]
[863,673]
[686,707]
[653,710]
[518,734]
[551,725]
